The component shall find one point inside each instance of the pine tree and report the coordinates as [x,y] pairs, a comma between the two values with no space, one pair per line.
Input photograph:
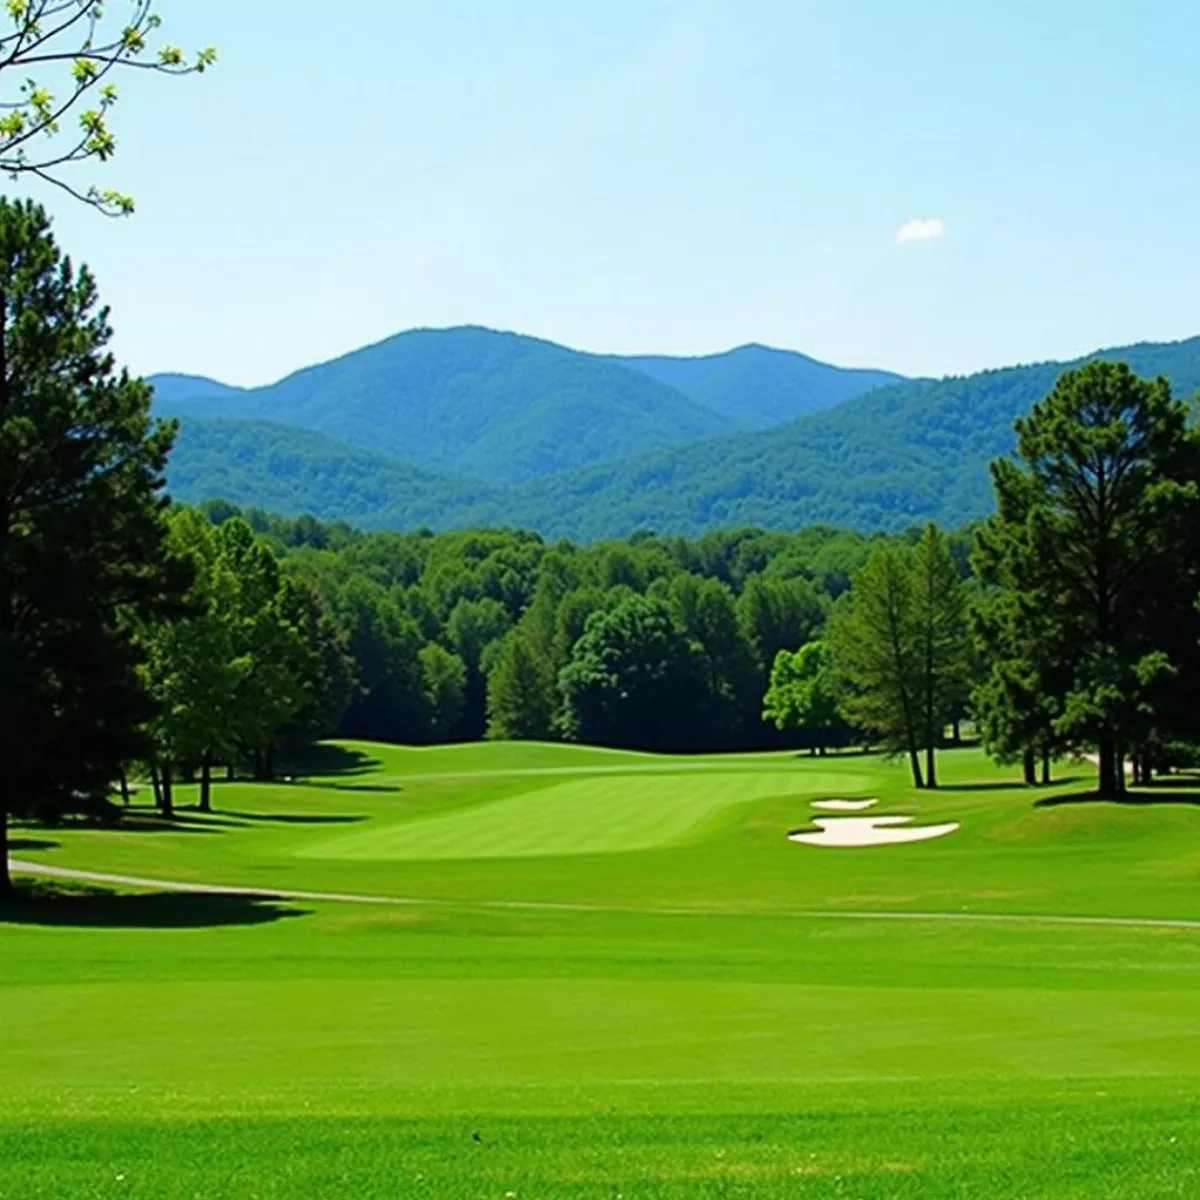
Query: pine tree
[82,534]
[875,641]
[1092,542]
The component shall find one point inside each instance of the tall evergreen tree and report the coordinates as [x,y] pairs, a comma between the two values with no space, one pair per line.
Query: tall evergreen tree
[875,642]
[1093,540]
[82,533]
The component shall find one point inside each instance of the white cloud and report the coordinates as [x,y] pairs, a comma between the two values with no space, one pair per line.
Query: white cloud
[921,229]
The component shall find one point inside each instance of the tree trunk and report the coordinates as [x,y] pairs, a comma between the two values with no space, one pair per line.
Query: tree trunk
[1045,768]
[156,785]
[1109,783]
[957,731]
[206,782]
[230,771]
[914,757]
[931,766]
[125,800]
[7,890]
[1029,765]
[168,791]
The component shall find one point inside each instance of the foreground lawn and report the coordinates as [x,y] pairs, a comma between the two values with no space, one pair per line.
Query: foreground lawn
[675,1001]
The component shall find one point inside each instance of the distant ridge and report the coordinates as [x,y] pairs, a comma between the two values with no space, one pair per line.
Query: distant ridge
[170,387]
[756,386]
[499,406]
[883,460]
[510,408]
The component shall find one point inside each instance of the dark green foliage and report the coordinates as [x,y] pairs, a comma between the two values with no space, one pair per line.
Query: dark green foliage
[874,641]
[443,689]
[1093,545]
[385,644]
[82,535]
[633,680]
[472,628]
[778,614]
[494,405]
[706,612]
[521,692]
[757,386]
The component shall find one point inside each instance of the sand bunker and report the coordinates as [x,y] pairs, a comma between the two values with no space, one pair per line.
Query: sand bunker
[844,805]
[846,832]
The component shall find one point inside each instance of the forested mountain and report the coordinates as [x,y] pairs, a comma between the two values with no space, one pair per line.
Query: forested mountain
[169,388]
[294,471]
[498,406]
[884,460]
[757,387]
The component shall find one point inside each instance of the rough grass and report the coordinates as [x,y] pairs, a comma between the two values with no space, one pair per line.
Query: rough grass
[712,1016]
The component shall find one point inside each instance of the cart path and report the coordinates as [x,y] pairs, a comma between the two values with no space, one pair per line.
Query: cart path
[44,870]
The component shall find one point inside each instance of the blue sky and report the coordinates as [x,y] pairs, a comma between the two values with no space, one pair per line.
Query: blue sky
[671,175]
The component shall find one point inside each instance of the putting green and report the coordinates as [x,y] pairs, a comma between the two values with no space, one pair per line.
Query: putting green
[597,815]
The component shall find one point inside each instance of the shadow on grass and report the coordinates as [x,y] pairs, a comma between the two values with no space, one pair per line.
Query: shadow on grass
[1138,799]
[1012,785]
[152,821]
[16,845]
[292,818]
[330,760]
[94,908]
[380,789]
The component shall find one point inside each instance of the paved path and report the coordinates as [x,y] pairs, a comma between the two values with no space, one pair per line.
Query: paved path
[44,870]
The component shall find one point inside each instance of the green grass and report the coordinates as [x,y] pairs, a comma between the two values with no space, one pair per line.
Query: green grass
[627,983]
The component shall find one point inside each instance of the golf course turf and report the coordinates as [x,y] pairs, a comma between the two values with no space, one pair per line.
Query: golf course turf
[602,974]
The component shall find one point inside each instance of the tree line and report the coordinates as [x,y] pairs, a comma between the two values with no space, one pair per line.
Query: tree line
[138,637]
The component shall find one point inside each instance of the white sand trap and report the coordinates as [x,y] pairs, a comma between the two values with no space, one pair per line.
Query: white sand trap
[844,805]
[847,832]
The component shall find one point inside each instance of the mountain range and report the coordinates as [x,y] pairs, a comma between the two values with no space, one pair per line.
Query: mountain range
[471,426]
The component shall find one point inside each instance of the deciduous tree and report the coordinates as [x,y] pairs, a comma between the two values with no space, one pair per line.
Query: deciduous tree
[60,59]
[803,694]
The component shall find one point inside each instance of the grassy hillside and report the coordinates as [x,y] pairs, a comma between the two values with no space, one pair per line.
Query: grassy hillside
[494,405]
[757,386]
[628,982]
